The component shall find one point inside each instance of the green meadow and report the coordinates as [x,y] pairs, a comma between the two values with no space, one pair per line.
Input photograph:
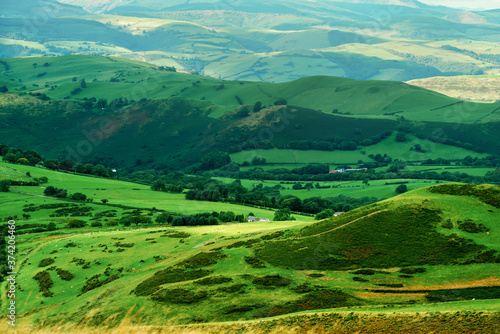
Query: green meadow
[230,272]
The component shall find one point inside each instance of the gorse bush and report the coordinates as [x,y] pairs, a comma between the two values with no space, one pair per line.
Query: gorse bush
[254,262]
[202,260]
[169,275]
[178,296]
[46,262]
[45,282]
[64,274]
[272,280]
[213,280]
[471,227]
[321,299]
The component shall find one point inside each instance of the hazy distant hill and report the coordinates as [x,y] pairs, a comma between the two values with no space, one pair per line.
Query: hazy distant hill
[478,88]
[38,10]
[267,41]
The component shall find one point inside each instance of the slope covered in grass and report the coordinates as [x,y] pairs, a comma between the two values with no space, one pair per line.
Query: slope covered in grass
[403,231]
[237,271]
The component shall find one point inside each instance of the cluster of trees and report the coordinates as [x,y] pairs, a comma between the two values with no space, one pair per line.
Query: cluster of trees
[16,156]
[4,186]
[32,158]
[98,170]
[340,144]
[102,104]
[55,192]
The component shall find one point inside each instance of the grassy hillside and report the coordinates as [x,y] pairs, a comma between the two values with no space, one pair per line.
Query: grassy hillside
[81,94]
[115,191]
[344,264]
[111,78]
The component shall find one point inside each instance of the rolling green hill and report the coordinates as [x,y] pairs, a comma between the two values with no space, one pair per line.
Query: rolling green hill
[429,246]
[170,120]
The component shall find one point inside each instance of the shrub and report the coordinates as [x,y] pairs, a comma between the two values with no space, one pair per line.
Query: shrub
[238,244]
[65,275]
[401,189]
[364,272]
[303,288]
[213,280]
[78,197]
[119,244]
[46,262]
[359,279]
[316,275]
[76,223]
[272,280]
[4,186]
[166,276]
[176,234]
[471,227]
[94,283]
[232,288]
[447,224]
[321,299]
[411,271]
[45,282]
[179,296]
[254,262]
[274,235]
[201,260]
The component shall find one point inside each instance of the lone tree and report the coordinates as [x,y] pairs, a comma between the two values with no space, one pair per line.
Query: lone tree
[401,189]
[257,106]
[4,186]
[401,137]
[83,84]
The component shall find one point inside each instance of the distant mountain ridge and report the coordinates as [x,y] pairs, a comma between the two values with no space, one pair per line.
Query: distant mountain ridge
[259,40]
[39,9]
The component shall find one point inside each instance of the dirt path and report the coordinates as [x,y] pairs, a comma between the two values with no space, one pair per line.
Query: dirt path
[341,226]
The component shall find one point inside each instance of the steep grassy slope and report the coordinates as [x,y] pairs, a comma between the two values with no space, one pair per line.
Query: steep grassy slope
[368,237]
[238,271]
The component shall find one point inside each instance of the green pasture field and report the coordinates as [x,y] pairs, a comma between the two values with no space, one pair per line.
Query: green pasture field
[129,194]
[389,146]
[356,189]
